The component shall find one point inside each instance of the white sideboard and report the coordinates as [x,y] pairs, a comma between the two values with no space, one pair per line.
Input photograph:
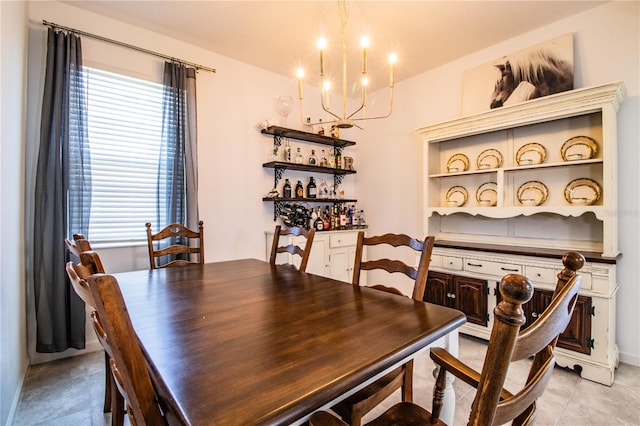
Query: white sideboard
[332,254]
[484,235]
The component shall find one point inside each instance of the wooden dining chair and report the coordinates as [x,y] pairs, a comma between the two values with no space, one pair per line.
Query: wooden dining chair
[127,363]
[354,407]
[493,404]
[114,401]
[292,247]
[90,263]
[175,245]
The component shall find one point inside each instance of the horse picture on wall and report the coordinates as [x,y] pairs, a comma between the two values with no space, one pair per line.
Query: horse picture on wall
[531,73]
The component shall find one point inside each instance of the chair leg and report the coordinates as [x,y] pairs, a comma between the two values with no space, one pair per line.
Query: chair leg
[108,384]
[117,405]
[438,394]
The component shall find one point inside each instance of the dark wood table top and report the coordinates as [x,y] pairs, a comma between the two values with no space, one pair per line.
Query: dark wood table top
[242,342]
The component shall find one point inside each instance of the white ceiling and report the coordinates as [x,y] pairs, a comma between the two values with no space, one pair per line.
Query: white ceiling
[280,36]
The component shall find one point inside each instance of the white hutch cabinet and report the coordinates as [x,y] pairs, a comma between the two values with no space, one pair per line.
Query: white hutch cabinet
[510,190]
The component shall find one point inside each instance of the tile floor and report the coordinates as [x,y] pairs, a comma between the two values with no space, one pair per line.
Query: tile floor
[71,391]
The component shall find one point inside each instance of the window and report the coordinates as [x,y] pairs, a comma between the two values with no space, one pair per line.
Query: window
[124,126]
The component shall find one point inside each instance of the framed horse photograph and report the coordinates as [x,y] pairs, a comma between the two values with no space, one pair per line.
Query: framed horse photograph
[540,70]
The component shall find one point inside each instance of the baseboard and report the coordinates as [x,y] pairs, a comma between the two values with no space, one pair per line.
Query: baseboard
[16,397]
[630,359]
[90,346]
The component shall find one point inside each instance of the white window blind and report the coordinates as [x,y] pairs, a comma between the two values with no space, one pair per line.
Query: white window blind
[124,126]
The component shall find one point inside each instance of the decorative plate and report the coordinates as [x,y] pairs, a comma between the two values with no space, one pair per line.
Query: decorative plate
[489,159]
[456,196]
[531,153]
[487,194]
[457,163]
[582,192]
[532,193]
[579,148]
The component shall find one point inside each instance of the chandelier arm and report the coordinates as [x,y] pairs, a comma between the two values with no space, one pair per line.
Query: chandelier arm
[379,116]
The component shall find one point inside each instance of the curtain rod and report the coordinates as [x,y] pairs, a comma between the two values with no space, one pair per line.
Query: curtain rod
[129,46]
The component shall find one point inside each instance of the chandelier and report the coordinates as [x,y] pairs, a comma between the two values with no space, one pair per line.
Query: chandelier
[346,120]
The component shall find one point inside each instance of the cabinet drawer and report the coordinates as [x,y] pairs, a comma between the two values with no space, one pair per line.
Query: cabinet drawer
[451,262]
[343,240]
[497,269]
[541,275]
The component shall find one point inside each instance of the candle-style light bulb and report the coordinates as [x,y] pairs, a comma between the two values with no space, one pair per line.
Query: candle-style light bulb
[322,44]
[364,43]
[392,60]
[326,86]
[300,74]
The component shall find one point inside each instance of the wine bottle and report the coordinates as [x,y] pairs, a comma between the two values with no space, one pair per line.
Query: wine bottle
[313,160]
[299,190]
[311,188]
[286,190]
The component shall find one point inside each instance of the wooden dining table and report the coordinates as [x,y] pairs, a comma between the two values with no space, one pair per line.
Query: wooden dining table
[243,342]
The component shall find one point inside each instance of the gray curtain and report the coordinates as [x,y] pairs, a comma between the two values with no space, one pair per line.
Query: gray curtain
[178,174]
[62,194]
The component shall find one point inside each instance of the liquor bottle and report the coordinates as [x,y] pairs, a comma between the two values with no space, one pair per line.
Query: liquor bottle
[362,221]
[286,151]
[338,160]
[312,219]
[323,159]
[349,215]
[299,159]
[318,225]
[299,190]
[313,160]
[286,190]
[343,217]
[312,191]
[323,189]
[320,127]
[326,219]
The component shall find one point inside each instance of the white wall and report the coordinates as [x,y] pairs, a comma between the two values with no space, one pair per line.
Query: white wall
[607,48]
[13,350]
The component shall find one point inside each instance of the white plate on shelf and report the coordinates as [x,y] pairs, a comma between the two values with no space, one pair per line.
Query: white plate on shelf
[456,196]
[531,153]
[582,192]
[457,163]
[532,193]
[489,159]
[579,148]
[487,194]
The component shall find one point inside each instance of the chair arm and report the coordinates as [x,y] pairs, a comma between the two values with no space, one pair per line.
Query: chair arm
[459,369]
[456,367]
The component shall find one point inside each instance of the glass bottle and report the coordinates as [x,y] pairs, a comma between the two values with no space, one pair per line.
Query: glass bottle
[323,189]
[286,190]
[299,159]
[286,151]
[320,127]
[311,188]
[313,160]
[323,159]
[299,189]
[318,223]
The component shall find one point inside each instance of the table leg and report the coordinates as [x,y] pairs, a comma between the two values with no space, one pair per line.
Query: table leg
[450,343]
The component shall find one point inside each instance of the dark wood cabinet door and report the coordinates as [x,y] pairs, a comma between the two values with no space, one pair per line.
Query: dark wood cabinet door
[470,295]
[577,336]
[438,289]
